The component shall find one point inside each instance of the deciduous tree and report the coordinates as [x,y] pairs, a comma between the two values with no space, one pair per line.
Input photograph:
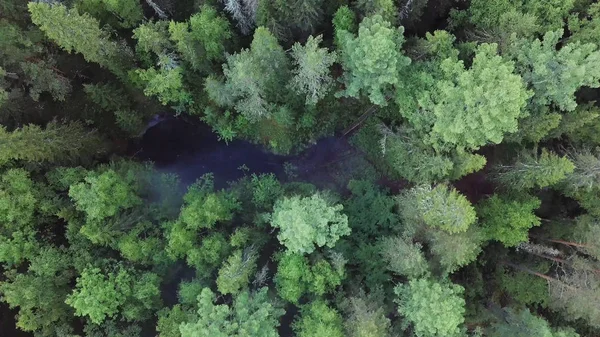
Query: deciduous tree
[309,222]
[432,308]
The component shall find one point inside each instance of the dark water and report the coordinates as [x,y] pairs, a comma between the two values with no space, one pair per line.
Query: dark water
[191,149]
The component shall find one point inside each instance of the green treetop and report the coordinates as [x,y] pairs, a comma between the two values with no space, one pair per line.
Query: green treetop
[556,74]
[531,171]
[312,76]
[508,218]
[81,33]
[250,315]
[372,60]
[441,207]
[434,309]
[474,107]
[100,295]
[318,319]
[309,222]
[253,78]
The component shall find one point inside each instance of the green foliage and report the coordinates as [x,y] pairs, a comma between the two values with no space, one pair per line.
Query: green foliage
[433,309]
[318,319]
[266,189]
[82,34]
[474,107]
[281,17]
[201,39]
[585,27]
[440,207]
[452,251]
[404,258]
[296,277]
[386,8]
[308,222]
[104,195]
[312,75]
[344,20]
[203,207]
[531,171]
[166,83]
[251,86]
[42,78]
[525,288]
[99,295]
[508,218]
[367,316]
[555,75]
[18,200]
[292,272]
[372,59]
[370,211]
[250,315]
[524,324]
[212,251]
[126,13]
[236,271]
[114,100]
[110,328]
[57,143]
[169,319]
[188,292]
[40,293]
[405,154]
[152,37]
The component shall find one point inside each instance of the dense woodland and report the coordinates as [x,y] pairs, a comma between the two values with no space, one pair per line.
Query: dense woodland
[470,205]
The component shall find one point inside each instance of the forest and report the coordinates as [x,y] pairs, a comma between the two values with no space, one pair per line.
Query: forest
[385,168]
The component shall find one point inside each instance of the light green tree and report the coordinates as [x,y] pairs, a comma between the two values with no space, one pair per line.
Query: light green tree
[556,74]
[439,207]
[250,315]
[104,195]
[432,308]
[202,38]
[203,207]
[251,85]
[372,60]
[404,257]
[236,271]
[366,316]
[98,295]
[508,218]
[474,107]
[318,319]
[296,276]
[534,171]
[309,222]
[312,76]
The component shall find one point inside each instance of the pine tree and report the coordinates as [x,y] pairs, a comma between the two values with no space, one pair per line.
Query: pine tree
[81,33]
[56,143]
